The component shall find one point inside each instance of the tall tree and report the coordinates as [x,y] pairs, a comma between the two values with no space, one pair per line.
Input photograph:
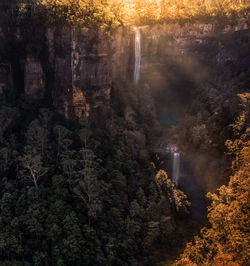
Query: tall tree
[32,165]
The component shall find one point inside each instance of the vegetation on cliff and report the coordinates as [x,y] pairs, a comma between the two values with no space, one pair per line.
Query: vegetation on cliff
[108,14]
[225,240]
[181,11]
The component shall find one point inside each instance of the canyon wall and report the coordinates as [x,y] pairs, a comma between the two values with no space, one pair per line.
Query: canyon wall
[76,67]
[190,48]
[85,65]
[193,71]
[177,59]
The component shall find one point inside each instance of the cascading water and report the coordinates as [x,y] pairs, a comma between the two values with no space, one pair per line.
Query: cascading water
[176,168]
[137,56]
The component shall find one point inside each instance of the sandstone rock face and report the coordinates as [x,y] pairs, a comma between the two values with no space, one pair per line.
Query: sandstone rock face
[86,63]
[5,77]
[50,37]
[34,78]
[123,53]
[189,48]
[80,66]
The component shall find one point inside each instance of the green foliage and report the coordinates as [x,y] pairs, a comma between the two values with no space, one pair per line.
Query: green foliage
[92,14]
[7,118]
[32,165]
[74,195]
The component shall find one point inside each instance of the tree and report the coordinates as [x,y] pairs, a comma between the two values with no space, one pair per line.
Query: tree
[37,133]
[7,117]
[84,135]
[176,197]
[64,141]
[37,136]
[226,240]
[32,164]
[86,184]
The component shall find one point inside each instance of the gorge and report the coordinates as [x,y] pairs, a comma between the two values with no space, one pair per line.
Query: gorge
[111,139]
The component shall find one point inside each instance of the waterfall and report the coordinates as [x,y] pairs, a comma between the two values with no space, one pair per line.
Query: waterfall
[137,56]
[176,168]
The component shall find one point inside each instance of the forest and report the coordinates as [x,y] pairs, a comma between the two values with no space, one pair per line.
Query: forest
[86,175]
[112,13]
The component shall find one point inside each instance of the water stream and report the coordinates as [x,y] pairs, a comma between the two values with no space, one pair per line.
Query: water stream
[176,168]
[137,67]
[181,174]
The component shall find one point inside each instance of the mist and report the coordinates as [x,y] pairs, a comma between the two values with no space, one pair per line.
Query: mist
[179,69]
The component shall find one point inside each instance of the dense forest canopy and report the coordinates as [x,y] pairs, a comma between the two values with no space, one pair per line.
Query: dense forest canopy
[108,14]
[76,194]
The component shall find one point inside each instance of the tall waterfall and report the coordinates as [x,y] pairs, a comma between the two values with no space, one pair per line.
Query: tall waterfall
[137,56]
[176,168]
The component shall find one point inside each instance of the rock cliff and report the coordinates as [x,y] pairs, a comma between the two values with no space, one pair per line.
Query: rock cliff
[76,67]
[85,65]
[190,48]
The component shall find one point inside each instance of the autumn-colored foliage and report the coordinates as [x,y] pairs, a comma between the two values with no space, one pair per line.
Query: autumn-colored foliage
[108,14]
[144,12]
[226,240]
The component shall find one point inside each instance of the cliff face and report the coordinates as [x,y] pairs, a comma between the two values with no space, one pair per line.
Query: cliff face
[85,65]
[191,49]
[74,66]
[77,67]
[177,60]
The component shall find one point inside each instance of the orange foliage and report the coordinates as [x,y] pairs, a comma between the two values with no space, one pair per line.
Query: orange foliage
[185,262]
[226,241]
